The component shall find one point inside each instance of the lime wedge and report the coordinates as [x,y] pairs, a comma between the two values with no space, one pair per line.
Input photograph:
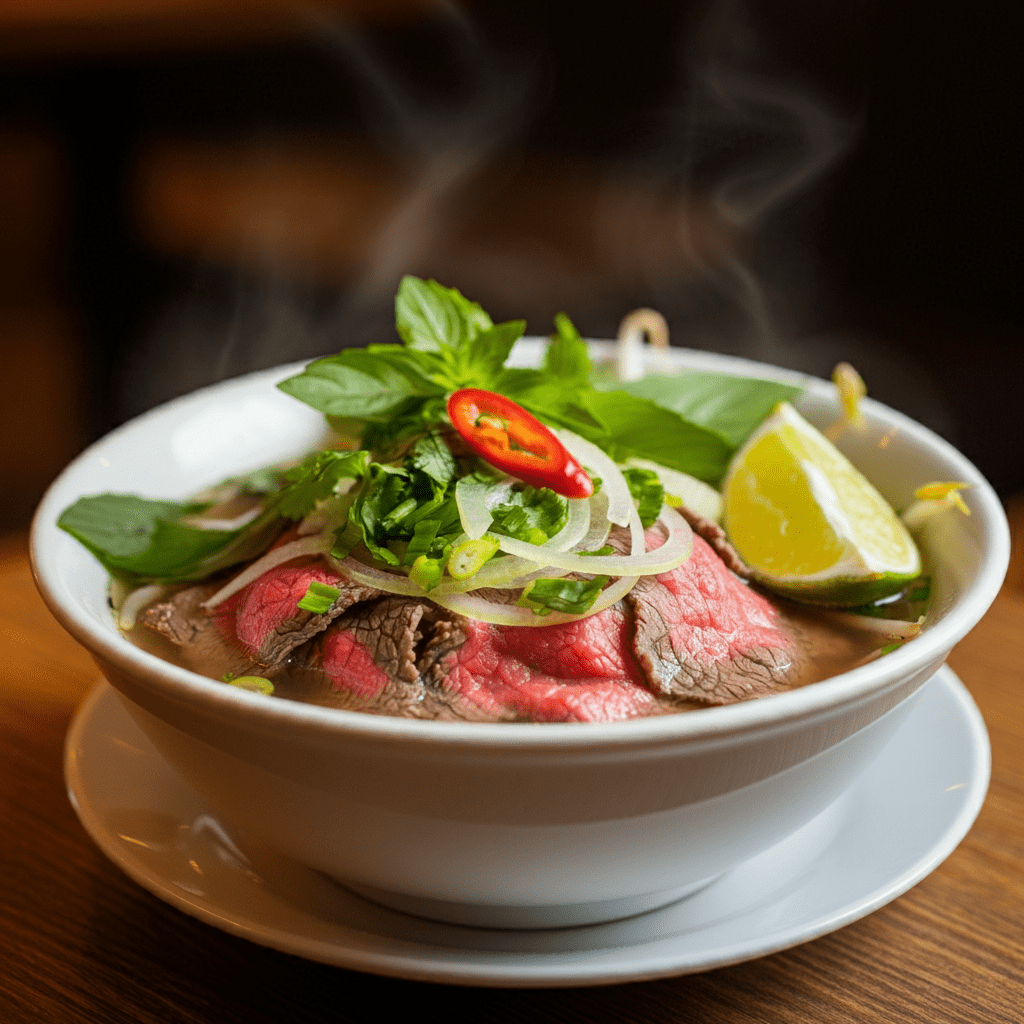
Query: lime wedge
[806,521]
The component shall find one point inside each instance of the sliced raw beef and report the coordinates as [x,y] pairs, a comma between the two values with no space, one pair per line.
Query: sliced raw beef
[370,657]
[269,623]
[205,643]
[703,635]
[578,671]
[694,636]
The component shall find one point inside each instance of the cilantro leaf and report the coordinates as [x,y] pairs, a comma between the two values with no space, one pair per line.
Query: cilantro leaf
[317,478]
[648,492]
[530,514]
[561,595]
[387,488]
[430,455]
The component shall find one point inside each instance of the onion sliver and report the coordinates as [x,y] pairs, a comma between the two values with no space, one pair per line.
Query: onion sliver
[471,498]
[670,555]
[474,606]
[136,601]
[392,582]
[620,501]
[600,524]
[318,545]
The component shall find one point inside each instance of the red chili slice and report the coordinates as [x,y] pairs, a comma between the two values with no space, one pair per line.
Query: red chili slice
[508,437]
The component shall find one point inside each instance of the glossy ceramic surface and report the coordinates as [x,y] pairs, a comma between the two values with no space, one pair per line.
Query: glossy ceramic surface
[443,817]
[901,818]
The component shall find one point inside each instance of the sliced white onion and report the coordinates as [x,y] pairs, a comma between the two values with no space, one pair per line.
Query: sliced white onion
[620,501]
[136,601]
[474,509]
[474,606]
[318,545]
[600,524]
[670,555]
[227,525]
[895,629]
[370,576]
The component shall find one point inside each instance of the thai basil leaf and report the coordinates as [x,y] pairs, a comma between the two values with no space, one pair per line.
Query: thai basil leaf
[137,538]
[566,356]
[430,317]
[481,363]
[730,406]
[366,384]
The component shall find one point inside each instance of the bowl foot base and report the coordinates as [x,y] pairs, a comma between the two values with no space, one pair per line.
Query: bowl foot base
[566,915]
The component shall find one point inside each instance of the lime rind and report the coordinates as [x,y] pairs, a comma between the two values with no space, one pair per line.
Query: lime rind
[808,523]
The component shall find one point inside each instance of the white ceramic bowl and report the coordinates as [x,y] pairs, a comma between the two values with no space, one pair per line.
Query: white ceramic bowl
[524,825]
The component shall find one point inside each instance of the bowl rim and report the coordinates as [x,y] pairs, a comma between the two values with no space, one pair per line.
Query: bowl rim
[183,686]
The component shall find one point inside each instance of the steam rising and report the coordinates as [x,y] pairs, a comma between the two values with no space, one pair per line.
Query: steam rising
[678,227]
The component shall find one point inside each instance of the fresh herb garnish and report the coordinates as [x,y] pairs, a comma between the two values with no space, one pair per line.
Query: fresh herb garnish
[318,598]
[387,393]
[730,407]
[648,493]
[559,595]
[401,504]
[530,514]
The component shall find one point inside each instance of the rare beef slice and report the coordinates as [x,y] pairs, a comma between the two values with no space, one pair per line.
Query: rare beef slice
[255,629]
[269,623]
[579,671]
[371,657]
[206,643]
[703,635]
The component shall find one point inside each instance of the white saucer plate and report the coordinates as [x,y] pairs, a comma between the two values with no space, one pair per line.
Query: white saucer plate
[899,821]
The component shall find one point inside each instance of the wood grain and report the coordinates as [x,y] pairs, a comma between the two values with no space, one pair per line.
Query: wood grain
[82,943]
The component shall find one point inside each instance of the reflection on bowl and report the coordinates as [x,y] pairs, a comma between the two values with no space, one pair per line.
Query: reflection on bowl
[524,825]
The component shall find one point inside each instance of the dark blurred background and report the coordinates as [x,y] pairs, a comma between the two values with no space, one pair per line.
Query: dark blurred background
[192,191]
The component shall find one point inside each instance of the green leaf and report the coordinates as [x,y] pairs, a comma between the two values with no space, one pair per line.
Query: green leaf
[136,537]
[730,406]
[364,383]
[483,360]
[637,428]
[317,478]
[647,491]
[431,317]
[560,595]
[530,514]
[430,455]
[387,488]
[566,356]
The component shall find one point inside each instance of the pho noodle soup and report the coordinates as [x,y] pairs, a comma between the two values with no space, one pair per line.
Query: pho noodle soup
[489,543]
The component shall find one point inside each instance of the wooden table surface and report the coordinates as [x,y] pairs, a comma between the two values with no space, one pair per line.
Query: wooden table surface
[80,942]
